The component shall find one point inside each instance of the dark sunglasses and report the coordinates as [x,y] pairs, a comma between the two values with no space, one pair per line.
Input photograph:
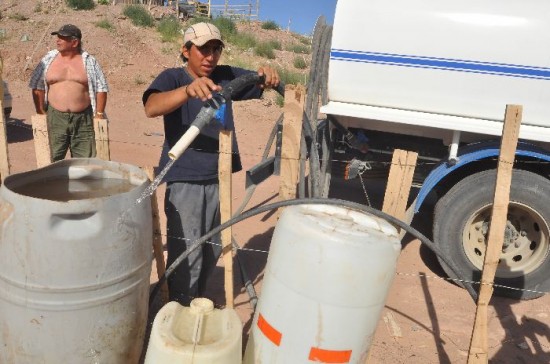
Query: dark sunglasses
[207,50]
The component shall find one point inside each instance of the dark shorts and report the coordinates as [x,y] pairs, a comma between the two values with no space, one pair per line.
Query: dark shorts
[72,131]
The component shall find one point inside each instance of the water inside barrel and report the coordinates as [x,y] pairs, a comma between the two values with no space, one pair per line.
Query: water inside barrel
[64,189]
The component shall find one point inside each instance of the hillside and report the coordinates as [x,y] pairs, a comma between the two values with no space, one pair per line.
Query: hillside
[129,55]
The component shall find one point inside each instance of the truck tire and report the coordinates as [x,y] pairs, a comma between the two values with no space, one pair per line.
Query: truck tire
[461,228]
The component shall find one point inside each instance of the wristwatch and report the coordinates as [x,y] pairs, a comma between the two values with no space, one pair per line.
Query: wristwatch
[99,113]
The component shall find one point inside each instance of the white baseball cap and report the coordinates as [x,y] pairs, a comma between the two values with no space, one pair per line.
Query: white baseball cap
[201,33]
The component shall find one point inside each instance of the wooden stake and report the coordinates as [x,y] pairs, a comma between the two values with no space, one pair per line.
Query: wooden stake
[101,129]
[158,250]
[398,189]
[41,141]
[4,154]
[290,149]
[478,353]
[399,183]
[225,168]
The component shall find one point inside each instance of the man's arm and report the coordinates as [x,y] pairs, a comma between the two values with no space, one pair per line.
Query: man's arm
[162,103]
[272,78]
[36,83]
[101,102]
[39,99]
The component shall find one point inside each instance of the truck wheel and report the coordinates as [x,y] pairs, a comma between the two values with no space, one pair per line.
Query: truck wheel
[461,229]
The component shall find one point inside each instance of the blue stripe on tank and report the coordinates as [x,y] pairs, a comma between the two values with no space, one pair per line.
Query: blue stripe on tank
[501,69]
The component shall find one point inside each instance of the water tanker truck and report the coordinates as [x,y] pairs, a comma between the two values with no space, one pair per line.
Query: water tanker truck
[434,77]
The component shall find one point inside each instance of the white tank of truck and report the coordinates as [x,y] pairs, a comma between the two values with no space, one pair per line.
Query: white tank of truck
[393,59]
[435,76]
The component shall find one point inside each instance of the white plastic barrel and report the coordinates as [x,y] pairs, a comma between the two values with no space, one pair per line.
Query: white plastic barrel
[74,277]
[326,280]
[198,334]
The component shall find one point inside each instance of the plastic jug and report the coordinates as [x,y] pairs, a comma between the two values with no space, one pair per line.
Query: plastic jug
[198,334]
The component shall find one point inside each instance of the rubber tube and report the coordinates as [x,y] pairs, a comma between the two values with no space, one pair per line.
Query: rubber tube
[352,205]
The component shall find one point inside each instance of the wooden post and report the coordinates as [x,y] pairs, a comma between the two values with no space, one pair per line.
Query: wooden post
[225,168]
[398,189]
[399,183]
[290,148]
[101,129]
[479,343]
[41,141]
[158,250]
[4,154]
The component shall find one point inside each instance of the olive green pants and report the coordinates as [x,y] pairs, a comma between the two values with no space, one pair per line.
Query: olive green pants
[73,131]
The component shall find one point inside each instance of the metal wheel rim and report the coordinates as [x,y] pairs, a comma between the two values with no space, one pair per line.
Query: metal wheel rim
[520,256]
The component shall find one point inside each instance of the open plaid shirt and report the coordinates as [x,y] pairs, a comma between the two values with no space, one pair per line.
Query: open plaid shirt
[96,78]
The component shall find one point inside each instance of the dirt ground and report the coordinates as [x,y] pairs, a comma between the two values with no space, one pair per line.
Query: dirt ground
[426,319]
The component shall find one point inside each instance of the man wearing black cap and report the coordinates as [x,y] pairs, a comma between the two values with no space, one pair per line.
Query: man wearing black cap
[69,86]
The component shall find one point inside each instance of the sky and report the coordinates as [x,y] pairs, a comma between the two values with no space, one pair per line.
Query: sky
[302,14]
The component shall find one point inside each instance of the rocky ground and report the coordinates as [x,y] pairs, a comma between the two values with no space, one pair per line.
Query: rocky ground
[426,318]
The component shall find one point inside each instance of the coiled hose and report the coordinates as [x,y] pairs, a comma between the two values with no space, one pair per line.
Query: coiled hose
[327,201]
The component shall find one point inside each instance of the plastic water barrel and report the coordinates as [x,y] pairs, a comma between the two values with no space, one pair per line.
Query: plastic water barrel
[327,276]
[198,334]
[74,275]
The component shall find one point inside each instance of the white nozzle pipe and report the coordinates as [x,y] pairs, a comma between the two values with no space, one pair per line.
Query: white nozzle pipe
[184,142]
[453,150]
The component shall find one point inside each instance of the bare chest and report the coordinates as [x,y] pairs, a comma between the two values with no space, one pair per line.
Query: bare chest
[63,69]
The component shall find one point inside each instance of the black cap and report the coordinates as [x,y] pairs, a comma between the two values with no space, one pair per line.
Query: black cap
[69,30]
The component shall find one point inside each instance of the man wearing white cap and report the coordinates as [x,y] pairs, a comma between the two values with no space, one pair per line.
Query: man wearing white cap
[192,199]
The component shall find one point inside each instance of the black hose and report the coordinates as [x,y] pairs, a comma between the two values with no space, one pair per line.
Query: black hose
[327,150]
[233,88]
[247,282]
[302,175]
[317,90]
[352,205]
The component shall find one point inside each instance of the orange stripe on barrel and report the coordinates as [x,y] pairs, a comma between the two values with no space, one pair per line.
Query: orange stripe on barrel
[329,356]
[269,331]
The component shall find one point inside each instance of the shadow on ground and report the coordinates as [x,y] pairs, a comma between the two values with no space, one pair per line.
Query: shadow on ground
[17,131]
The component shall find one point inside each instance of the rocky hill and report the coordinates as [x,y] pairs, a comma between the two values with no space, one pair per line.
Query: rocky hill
[130,55]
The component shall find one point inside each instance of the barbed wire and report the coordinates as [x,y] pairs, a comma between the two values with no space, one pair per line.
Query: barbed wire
[248,154]
[417,275]
[456,280]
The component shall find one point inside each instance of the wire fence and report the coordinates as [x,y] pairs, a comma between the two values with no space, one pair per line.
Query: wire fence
[416,278]
[372,162]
